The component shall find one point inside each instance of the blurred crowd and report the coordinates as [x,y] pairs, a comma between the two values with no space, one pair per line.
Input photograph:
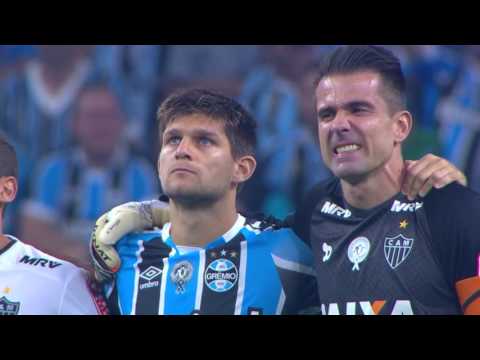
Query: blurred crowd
[82,118]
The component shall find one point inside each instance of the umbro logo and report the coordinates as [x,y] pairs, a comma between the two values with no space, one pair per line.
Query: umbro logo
[334,209]
[151,273]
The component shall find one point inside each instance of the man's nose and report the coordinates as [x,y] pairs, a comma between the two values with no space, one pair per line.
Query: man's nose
[183,149]
[341,122]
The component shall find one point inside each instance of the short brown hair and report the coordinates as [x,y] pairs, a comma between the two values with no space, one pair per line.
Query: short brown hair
[240,127]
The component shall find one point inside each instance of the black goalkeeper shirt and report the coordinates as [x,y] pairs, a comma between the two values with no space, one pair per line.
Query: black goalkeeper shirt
[401,257]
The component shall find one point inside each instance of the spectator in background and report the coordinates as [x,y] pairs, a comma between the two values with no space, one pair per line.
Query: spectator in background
[39,99]
[212,66]
[138,75]
[35,105]
[310,166]
[13,57]
[73,188]
[431,73]
[459,117]
[270,93]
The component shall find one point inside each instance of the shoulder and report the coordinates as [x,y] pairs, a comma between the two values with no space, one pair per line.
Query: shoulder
[323,189]
[304,212]
[280,243]
[134,240]
[454,201]
[46,266]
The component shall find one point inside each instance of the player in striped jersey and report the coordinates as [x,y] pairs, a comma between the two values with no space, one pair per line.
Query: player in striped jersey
[210,259]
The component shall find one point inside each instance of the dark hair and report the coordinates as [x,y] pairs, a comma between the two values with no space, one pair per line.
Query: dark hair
[355,58]
[240,127]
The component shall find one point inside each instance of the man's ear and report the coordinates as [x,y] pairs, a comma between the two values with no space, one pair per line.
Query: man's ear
[8,189]
[403,123]
[244,169]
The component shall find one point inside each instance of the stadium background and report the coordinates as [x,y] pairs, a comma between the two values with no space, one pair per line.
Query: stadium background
[39,87]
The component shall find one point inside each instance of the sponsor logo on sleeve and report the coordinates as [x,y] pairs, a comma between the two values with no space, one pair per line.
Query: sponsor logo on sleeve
[40,262]
[334,209]
[398,206]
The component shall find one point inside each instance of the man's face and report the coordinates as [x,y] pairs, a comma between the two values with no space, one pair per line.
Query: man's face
[355,127]
[196,165]
[98,122]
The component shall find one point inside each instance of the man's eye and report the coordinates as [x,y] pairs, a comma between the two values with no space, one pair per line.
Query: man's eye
[325,116]
[173,140]
[205,141]
[359,111]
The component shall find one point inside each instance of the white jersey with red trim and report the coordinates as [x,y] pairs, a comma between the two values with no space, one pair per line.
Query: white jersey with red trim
[35,283]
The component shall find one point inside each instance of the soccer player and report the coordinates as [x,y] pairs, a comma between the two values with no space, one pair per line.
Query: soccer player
[210,259]
[377,251]
[32,282]
[136,216]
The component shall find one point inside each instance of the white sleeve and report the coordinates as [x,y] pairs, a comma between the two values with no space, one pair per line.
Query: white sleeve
[78,297]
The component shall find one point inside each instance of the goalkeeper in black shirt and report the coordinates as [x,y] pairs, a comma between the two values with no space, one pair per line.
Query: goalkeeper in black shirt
[376,250]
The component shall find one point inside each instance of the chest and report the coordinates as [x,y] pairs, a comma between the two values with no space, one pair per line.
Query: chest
[384,263]
[24,294]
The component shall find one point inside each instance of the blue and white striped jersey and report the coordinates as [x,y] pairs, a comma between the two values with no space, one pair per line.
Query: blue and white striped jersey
[249,270]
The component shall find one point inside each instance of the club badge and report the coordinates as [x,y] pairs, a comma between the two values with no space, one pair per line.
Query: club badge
[358,251]
[397,249]
[8,307]
[180,275]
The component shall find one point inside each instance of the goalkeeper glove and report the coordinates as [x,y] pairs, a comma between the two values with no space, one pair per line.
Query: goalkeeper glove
[115,224]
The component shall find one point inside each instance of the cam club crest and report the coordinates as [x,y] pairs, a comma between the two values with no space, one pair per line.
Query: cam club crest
[181,274]
[397,250]
[358,251]
[8,307]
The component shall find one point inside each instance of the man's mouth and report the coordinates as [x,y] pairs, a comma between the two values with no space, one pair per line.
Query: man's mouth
[346,148]
[182,170]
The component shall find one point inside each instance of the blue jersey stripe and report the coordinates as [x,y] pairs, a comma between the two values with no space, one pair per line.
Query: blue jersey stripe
[259,272]
[128,251]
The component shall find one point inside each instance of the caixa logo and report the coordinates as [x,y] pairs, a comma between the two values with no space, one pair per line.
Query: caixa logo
[221,275]
[396,307]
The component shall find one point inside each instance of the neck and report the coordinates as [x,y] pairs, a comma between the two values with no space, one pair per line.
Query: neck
[4,241]
[377,187]
[200,226]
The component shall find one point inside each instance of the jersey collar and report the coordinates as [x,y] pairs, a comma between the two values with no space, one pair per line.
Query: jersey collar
[222,240]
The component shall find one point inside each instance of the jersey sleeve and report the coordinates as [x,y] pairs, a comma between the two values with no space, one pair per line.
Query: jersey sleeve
[295,266]
[453,214]
[81,296]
